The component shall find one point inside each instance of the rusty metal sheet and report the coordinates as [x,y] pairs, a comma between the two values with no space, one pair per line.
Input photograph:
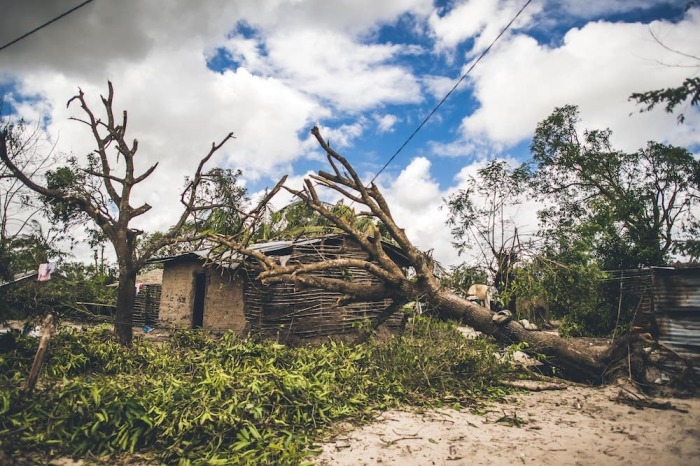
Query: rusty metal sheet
[676,290]
[680,331]
[677,311]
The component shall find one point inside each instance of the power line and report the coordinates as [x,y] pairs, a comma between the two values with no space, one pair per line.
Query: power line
[425,120]
[44,25]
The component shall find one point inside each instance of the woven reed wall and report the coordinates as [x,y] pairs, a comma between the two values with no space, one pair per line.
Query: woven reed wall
[285,312]
[146,305]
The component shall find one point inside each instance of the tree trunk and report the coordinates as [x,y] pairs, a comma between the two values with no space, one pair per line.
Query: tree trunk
[578,364]
[48,327]
[124,315]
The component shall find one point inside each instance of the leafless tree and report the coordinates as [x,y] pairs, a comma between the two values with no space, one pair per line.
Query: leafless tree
[102,189]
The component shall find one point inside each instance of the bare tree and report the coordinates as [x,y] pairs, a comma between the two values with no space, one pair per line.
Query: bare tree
[397,283]
[18,204]
[98,192]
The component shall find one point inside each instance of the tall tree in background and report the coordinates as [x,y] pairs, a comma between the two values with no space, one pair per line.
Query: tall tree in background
[481,219]
[101,190]
[633,208]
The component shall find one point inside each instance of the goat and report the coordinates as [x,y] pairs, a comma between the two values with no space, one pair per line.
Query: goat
[483,293]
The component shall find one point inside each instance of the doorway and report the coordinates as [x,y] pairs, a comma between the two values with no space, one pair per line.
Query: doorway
[200,286]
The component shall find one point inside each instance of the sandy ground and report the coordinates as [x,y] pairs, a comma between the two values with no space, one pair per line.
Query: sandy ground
[575,426]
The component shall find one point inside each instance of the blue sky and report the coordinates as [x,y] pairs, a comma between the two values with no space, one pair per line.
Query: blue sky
[366,72]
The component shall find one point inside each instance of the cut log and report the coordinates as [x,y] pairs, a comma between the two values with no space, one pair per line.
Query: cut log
[48,327]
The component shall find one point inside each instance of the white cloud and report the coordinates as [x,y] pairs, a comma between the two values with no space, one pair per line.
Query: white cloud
[479,19]
[439,86]
[597,67]
[386,122]
[415,200]
[350,75]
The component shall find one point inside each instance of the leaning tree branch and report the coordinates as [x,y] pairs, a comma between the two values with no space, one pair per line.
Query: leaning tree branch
[330,264]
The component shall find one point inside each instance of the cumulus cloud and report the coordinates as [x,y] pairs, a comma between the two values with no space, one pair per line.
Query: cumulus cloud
[350,75]
[415,199]
[596,67]
[296,63]
[386,122]
[482,20]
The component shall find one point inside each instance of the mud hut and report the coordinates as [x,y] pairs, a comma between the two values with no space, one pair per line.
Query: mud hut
[223,295]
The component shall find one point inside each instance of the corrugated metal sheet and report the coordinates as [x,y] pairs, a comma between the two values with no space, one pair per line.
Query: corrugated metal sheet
[677,289]
[232,259]
[20,277]
[677,311]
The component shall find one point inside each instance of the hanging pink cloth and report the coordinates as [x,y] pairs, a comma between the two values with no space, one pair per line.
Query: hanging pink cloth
[45,271]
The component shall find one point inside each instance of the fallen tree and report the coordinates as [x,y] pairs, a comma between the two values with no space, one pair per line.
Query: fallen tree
[420,283]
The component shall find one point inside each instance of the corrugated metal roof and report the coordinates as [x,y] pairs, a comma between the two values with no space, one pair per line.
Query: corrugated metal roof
[677,311]
[231,259]
[20,277]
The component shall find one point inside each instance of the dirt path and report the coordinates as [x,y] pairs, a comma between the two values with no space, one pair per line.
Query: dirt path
[576,426]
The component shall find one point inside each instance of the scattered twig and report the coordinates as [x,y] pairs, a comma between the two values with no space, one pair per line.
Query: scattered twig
[534,386]
[640,402]
[512,421]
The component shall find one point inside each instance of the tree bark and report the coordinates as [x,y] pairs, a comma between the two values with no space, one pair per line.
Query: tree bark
[578,364]
[124,314]
[48,327]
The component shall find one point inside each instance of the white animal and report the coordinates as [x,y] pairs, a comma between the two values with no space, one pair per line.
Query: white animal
[483,293]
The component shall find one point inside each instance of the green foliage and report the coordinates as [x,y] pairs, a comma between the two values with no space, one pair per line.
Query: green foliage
[25,251]
[67,179]
[298,219]
[672,97]
[460,278]
[73,283]
[571,290]
[221,187]
[631,208]
[193,400]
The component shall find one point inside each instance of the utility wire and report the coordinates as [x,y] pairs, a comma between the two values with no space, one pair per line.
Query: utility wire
[44,25]
[425,120]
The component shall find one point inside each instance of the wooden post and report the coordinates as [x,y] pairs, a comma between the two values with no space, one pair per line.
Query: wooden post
[48,327]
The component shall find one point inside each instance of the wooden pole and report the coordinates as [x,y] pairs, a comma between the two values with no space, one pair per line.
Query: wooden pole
[48,327]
